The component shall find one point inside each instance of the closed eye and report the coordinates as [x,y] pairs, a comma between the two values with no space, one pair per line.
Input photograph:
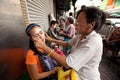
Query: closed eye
[36,35]
[41,32]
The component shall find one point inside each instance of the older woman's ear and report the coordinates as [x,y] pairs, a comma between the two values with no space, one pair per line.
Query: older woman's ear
[92,25]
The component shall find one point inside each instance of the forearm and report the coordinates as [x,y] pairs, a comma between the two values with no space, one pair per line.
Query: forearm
[117,40]
[58,58]
[60,42]
[67,35]
[33,71]
[44,74]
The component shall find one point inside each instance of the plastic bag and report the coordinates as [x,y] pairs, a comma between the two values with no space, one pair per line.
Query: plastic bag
[69,74]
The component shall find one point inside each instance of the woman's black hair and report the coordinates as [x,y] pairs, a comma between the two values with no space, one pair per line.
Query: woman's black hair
[53,22]
[94,14]
[32,47]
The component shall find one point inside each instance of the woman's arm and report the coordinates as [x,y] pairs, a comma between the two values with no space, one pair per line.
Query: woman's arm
[57,57]
[60,42]
[33,71]
[116,40]
[66,35]
[70,32]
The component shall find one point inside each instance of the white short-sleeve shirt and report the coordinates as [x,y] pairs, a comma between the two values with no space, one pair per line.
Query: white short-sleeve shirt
[86,55]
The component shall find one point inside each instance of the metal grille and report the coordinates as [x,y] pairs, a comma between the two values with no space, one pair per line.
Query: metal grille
[24,11]
[38,11]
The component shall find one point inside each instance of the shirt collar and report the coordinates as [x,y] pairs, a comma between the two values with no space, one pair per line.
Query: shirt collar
[90,34]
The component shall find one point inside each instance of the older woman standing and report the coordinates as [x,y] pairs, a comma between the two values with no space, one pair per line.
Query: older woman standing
[87,47]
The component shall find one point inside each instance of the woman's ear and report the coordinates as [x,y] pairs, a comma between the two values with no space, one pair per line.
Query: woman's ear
[91,25]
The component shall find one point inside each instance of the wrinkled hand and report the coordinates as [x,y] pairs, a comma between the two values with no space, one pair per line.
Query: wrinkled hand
[48,37]
[40,44]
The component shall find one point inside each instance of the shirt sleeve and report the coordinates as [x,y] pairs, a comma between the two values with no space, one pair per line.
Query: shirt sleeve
[71,31]
[80,56]
[73,41]
[31,58]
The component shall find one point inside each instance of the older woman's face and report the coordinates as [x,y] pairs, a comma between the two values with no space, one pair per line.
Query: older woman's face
[81,24]
[37,33]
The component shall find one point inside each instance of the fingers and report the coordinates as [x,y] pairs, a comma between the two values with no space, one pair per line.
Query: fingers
[46,35]
[38,43]
[55,69]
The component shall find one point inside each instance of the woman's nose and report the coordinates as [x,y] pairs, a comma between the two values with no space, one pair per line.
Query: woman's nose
[40,36]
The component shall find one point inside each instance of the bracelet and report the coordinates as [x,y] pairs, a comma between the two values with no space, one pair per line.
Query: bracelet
[50,52]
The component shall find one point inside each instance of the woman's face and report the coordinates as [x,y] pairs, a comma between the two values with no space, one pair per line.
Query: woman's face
[67,22]
[81,24]
[37,33]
